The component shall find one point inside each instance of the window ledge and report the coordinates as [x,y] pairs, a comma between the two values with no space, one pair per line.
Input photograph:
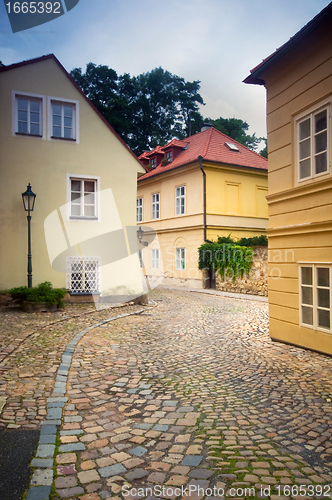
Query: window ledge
[27,134]
[72,217]
[63,138]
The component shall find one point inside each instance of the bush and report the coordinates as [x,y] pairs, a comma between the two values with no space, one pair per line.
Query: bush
[254,241]
[228,259]
[41,293]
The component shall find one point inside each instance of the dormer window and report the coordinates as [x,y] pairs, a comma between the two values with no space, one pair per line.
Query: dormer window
[153,162]
[169,156]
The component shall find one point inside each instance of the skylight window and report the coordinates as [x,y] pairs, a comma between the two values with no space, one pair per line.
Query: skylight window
[232,146]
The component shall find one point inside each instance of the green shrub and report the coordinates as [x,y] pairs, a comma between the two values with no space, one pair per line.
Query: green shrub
[254,241]
[44,292]
[228,259]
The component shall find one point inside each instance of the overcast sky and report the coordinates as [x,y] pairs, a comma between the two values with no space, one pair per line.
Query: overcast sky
[214,41]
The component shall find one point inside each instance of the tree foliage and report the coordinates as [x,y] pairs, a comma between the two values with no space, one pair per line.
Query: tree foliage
[237,130]
[145,110]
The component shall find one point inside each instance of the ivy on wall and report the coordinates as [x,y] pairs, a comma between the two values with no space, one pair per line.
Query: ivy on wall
[228,259]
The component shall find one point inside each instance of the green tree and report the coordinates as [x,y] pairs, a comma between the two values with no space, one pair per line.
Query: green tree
[237,130]
[263,152]
[145,110]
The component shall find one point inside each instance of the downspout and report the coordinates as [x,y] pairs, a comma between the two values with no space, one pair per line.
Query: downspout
[200,163]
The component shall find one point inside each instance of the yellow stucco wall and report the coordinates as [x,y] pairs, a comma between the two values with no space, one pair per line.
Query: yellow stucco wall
[46,164]
[187,231]
[300,213]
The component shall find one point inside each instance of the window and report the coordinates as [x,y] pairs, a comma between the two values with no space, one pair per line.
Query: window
[155,258]
[153,162]
[169,156]
[63,122]
[83,194]
[139,209]
[28,115]
[315,296]
[180,199]
[313,144]
[156,206]
[180,259]
[83,275]
[140,256]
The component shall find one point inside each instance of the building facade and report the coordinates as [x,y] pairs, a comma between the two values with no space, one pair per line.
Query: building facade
[298,80]
[197,189]
[83,224]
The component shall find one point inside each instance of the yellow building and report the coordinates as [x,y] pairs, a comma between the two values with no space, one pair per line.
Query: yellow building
[298,80]
[83,225]
[197,189]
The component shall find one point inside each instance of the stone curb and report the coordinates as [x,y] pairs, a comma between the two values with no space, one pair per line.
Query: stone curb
[232,295]
[42,478]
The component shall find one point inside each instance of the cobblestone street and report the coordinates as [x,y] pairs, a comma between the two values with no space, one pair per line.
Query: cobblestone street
[186,396]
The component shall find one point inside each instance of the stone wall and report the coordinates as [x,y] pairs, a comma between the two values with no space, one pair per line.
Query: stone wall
[255,283]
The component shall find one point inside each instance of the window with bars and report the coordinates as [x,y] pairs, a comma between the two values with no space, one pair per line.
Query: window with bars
[313,142]
[315,296]
[180,200]
[155,258]
[63,120]
[155,206]
[83,275]
[83,198]
[139,209]
[28,115]
[180,259]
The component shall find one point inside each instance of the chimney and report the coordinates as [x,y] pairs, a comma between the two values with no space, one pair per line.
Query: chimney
[206,126]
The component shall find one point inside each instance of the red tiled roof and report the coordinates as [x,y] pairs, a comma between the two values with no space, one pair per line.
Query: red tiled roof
[52,56]
[210,144]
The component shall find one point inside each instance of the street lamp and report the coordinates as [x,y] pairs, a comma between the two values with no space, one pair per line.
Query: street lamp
[140,233]
[29,202]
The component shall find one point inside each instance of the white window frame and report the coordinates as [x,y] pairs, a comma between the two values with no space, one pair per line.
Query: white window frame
[139,209]
[153,162]
[169,156]
[180,200]
[300,118]
[156,206]
[315,306]
[155,255]
[85,261]
[180,259]
[42,114]
[63,102]
[82,178]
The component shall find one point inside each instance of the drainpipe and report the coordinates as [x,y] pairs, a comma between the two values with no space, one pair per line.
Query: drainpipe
[212,277]
[200,160]
[204,194]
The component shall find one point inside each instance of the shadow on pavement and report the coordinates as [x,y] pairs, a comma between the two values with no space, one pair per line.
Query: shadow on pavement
[17,448]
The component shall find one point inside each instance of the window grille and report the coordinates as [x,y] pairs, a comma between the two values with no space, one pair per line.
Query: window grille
[83,275]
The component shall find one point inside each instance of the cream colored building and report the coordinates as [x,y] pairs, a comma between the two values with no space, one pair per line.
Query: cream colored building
[298,80]
[83,224]
[197,189]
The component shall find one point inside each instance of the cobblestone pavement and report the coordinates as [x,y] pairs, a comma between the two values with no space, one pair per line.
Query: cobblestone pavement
[191,397]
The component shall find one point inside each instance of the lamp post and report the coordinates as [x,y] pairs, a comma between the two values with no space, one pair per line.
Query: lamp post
[29,203]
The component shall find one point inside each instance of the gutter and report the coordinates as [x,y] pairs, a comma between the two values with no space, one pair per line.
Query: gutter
[200,164]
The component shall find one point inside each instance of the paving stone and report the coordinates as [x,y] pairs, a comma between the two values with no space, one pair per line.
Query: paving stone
[201,473]
[112,470]
[192,460]
[39,493]
[42,477]
[139,451]
[136,474]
